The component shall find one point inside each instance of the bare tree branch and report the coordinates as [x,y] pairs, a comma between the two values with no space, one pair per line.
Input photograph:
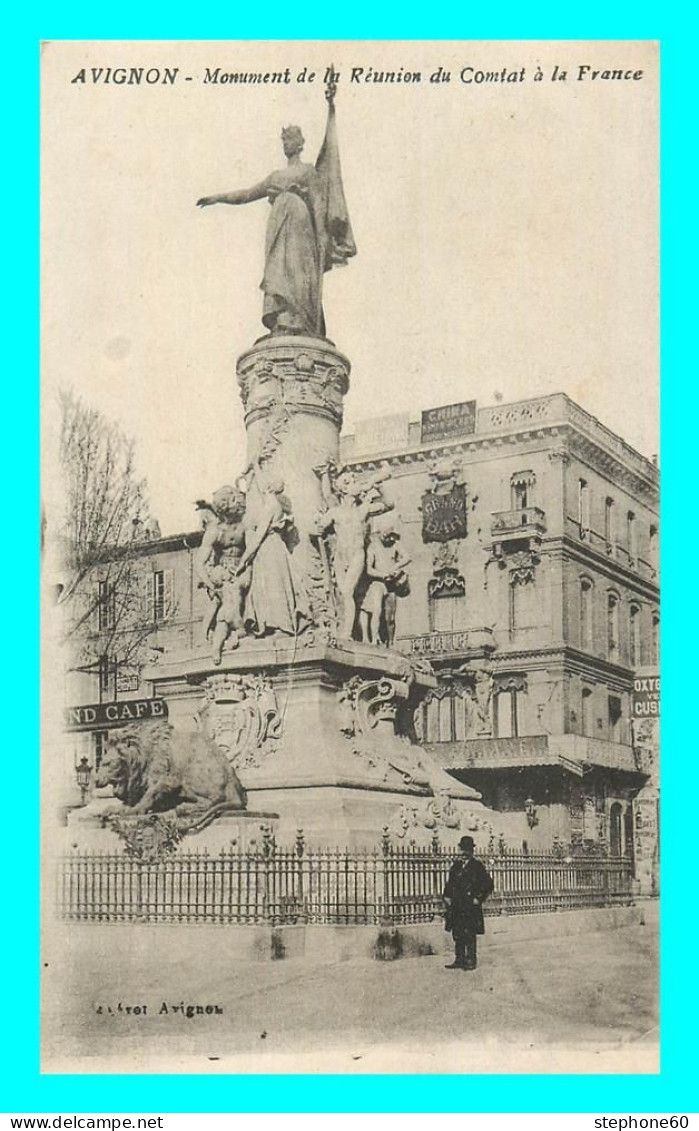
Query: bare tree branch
[105,616]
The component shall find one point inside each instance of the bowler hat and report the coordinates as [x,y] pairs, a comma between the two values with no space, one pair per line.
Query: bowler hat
[466,842]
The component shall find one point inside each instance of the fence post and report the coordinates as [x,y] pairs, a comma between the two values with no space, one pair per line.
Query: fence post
[436,878]
[268,847]
[300,847]
[385,916]
[136,870]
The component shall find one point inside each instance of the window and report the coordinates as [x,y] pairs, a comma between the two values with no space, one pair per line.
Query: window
[614,717]
[159,594]
[524,612]
[634,636]
[508,692]
[521,485]
[106,606]
[520,496]
[447,602]
[452,724]
[612,626]
[610,524]
[444,717]
[506,715]
[448,614]
[628,831]
[586,598]
[655,638]
[615,826]
[653,547]
[584,507]
[632,536]
[588,723]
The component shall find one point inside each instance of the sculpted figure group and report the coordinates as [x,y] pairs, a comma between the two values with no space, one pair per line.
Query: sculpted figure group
[247,569]
[250,572]
[369,566]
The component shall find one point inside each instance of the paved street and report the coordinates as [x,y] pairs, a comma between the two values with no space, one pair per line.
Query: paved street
[564,1004]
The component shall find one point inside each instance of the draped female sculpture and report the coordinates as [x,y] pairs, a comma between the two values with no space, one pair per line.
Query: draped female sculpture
[276,601]
[308,231]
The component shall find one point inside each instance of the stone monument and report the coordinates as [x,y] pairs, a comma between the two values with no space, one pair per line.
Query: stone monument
[297,683]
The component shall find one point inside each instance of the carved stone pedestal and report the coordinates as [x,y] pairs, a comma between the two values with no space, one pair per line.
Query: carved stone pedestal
[321,733]
[292,389]
[318,729]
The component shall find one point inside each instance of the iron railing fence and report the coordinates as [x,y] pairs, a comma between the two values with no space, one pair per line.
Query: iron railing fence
[391,886]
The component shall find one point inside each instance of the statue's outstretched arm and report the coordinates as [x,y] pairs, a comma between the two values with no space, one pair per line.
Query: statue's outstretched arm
[374,506]
[238,196]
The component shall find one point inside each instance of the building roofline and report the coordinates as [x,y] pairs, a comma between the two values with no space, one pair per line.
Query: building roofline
[533,414]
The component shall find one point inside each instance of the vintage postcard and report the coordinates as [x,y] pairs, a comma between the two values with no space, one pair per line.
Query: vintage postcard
[351,601]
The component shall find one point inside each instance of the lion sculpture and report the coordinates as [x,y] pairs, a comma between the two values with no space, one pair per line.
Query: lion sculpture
[153,769]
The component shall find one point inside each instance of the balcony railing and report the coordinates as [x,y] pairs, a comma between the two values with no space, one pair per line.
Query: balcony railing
[596,751]
[518,523]
[472,641]
[570,751]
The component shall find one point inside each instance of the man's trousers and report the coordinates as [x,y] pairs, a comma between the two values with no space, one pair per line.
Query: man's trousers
[465,946]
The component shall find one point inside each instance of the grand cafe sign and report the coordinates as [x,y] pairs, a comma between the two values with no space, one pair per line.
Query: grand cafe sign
[101,716]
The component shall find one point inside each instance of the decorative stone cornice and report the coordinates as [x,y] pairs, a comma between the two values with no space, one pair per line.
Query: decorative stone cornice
[573,430]
[585,449]
[571,659]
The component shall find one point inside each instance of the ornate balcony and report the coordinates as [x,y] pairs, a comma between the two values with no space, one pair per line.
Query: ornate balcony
[572,752]
[467,642]
[512,527]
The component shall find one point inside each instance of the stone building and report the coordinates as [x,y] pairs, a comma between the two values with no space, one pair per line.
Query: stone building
[532,533]
[537,614]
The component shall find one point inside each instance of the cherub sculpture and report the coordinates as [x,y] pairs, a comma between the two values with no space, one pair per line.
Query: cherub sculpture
[218,567]
[386,580]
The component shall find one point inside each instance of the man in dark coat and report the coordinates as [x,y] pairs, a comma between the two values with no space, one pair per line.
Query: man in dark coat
[469,884]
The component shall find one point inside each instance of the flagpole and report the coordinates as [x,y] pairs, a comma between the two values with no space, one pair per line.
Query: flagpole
[330,86]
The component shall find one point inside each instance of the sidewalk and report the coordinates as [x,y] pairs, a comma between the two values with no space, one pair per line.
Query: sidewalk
[575,1003]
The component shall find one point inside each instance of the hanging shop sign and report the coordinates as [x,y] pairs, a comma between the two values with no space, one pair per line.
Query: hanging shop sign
[444,515]
[101,716]
[645,701]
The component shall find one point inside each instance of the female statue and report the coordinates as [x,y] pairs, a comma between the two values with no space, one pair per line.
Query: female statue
[308,232]
[275,599]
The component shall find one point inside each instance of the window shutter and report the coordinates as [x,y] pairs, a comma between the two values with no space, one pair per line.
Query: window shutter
[148,598]
[169,600]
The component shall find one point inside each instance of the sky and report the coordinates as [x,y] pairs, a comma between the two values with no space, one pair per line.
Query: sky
[507,236]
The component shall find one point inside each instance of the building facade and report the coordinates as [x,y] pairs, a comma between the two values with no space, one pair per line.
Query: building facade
[537,614]
[532,533]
